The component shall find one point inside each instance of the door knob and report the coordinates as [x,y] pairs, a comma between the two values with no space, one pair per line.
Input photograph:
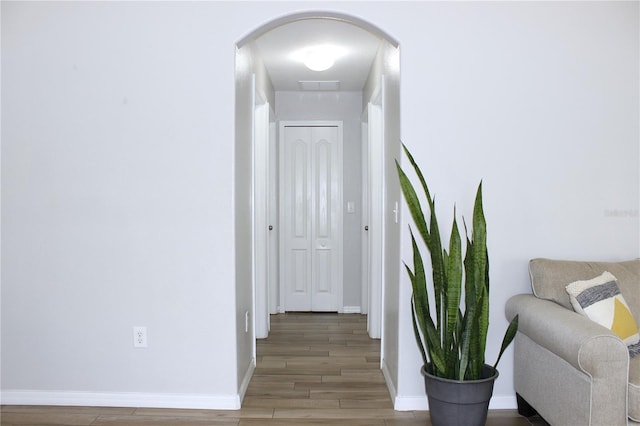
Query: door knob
[270,227]
[366,227]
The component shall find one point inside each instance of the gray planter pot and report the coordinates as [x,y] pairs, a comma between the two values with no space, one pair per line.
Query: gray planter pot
[459,403]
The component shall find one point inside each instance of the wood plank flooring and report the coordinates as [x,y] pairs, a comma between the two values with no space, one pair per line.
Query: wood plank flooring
[314,369]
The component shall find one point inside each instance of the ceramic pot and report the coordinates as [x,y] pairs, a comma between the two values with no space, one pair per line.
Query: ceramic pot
[459,403]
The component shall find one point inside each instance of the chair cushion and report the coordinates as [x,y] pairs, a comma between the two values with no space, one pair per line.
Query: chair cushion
[599,299]
[634,389]
[550,277]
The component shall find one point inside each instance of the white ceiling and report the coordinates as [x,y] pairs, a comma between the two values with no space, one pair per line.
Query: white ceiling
[351,70]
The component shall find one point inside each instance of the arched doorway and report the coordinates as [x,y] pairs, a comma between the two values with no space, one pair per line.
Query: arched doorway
[265,76]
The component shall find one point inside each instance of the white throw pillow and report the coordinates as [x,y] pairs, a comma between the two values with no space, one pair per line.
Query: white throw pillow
[600,300]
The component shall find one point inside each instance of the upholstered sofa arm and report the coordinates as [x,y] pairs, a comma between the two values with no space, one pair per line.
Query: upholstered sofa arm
[586,345]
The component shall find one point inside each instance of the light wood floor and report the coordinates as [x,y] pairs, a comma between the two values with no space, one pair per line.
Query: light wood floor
[314,369]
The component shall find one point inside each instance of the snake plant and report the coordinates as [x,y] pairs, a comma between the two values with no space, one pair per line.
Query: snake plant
[452,341]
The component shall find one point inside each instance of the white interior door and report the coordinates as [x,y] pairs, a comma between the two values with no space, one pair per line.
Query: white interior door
[375,233]
[272,207]
[260,217]
[311,201]
[364,298]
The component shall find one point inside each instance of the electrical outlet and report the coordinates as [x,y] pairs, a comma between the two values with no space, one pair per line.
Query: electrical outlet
[139,337]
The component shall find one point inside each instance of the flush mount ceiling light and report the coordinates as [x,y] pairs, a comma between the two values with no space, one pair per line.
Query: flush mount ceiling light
[320,57]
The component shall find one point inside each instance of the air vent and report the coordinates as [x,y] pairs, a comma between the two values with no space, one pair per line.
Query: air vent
[322,86]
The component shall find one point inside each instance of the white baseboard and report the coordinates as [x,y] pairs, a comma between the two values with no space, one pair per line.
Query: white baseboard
[120,399]
[410,403]
[503,403]
[387,379]
[351,310]
[247,378]
[198,401]
[420,403]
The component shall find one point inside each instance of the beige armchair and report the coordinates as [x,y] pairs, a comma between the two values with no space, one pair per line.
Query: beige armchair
[567,368]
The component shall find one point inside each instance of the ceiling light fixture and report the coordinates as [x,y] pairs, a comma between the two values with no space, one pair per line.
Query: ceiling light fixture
[320,57]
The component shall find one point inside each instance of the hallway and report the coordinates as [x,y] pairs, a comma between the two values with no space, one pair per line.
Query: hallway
[320,365]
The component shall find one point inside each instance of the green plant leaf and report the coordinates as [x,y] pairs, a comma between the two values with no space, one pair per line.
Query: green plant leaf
[453,265]
[422,314]
[413,202]
[467,335]
[479,237]
[477,289]
[508,338]
[438,270]
[430,233]
[431,237]
[423,182]
[419,340]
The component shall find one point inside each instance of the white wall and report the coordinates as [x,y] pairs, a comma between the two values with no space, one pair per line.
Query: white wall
[345,107]
[117,174]
[116,208]
[540,100]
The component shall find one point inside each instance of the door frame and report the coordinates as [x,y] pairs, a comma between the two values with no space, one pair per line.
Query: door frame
[242,188]
[373,262]
[260,141]
[364,214]
[282,255]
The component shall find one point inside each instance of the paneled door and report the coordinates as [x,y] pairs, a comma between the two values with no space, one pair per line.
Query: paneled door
[311,195]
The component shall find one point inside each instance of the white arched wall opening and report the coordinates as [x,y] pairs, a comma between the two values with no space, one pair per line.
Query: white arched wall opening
[253,91]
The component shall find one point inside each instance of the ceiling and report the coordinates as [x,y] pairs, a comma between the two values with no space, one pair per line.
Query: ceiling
[351,70]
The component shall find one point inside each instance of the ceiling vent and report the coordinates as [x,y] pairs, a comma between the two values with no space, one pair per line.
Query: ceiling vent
[319,86]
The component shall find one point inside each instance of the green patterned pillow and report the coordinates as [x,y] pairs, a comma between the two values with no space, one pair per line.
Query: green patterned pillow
[600,300]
